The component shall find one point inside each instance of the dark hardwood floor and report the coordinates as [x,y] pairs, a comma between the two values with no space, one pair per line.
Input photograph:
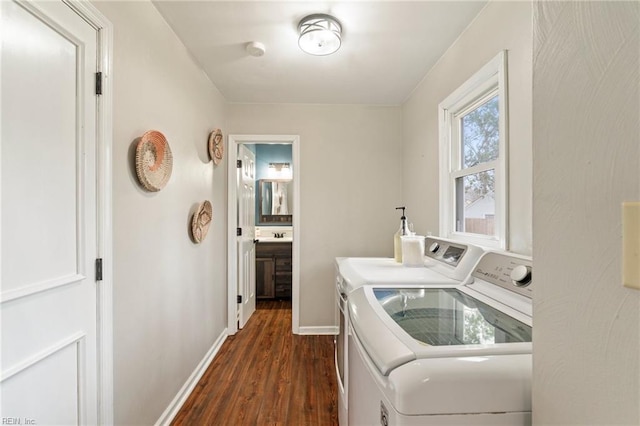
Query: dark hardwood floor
[265,375]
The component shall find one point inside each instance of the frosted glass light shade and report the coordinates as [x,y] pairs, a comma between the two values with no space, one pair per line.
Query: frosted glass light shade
[320,34]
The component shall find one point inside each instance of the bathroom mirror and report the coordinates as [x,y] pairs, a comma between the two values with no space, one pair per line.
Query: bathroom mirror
[275,201]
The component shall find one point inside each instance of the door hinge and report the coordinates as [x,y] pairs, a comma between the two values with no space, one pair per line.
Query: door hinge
[239,232]
[239,298]
[98,83]
[239,163]
[99,269]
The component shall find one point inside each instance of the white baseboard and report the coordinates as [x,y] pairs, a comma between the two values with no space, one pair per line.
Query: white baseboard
[167,417]
[329,330]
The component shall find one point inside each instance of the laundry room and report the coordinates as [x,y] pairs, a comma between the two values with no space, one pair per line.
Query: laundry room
[230,214]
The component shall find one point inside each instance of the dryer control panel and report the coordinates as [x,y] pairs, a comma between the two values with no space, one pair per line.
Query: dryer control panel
[512,272]
[444,251]
[451,258]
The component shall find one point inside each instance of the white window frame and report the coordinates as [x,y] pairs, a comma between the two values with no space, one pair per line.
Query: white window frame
[489,81]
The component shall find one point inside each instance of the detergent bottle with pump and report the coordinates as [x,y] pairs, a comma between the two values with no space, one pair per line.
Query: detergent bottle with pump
[397,238]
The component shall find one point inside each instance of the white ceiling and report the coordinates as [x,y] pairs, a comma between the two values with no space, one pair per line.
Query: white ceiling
[387,47]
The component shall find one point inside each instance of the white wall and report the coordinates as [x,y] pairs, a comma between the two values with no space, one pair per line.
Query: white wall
[169,293]
[586,130]
[350,185]
[499,26]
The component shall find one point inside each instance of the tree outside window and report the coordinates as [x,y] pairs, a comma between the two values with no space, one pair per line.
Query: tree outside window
[480,136]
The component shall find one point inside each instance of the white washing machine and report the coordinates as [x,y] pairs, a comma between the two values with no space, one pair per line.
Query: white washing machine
[446,262]
[445,355]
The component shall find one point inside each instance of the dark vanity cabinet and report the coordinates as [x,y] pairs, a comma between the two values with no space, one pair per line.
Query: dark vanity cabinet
[273,270]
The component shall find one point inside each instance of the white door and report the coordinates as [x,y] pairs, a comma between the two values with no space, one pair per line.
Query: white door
[246,244]
[48,208]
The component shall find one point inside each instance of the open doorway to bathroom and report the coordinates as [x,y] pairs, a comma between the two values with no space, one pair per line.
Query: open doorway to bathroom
[271,229]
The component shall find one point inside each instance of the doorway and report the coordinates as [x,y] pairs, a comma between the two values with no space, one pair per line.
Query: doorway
[233,275]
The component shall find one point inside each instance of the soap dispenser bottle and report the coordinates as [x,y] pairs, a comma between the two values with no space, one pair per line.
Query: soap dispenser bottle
[397,240]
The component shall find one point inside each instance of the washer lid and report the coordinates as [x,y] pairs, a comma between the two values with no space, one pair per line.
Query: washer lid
[398,325]
[449,317]
[384,348]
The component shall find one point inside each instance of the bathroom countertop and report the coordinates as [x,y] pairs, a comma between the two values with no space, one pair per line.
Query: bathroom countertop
[274,240]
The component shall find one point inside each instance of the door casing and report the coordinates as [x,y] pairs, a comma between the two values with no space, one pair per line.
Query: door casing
[232,213]
[104,139]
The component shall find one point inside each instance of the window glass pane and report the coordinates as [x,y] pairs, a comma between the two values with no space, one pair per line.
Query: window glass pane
[480,134]
[475,203]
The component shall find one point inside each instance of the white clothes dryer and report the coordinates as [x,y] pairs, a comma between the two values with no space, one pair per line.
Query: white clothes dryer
[448,355]
[446,262]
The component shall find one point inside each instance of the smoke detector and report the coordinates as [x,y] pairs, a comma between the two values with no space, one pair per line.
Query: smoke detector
[255,48]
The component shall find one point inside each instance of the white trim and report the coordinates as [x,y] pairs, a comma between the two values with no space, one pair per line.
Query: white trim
[41,356]
[77,339]
[104,136]
[295,284]
[490,78]
[330,330]
[181,397]
[491,69]
[232,213]
[38,287]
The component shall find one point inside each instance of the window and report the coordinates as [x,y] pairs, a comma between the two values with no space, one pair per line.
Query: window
[473,166]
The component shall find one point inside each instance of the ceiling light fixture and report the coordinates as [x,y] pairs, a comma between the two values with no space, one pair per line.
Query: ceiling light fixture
[320,34]
[279,166]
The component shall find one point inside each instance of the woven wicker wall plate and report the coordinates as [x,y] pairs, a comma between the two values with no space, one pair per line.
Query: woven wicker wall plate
[216,146]
[154,161]
[201,220]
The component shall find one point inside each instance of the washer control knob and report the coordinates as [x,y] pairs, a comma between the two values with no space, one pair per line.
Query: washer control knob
[521,275]
[434,247]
